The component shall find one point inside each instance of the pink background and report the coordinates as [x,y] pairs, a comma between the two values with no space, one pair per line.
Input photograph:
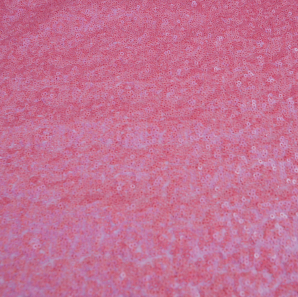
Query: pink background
[148,148]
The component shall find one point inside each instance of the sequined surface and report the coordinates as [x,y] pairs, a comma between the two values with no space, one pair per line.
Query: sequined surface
[148,148]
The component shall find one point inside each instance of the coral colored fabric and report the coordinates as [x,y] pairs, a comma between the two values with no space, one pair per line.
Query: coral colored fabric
[148,148]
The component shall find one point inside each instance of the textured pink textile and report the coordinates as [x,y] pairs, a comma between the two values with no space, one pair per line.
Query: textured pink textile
[148,148]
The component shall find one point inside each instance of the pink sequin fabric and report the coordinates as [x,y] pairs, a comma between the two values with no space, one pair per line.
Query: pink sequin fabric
[148,148]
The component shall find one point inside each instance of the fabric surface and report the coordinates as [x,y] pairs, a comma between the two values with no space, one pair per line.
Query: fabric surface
[148,148]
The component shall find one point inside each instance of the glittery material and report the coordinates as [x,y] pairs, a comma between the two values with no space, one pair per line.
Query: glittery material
[148,148]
